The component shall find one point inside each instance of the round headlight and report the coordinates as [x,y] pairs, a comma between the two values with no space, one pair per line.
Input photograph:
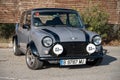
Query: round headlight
[91,48]
[47,41]
[97,40]
[58,49]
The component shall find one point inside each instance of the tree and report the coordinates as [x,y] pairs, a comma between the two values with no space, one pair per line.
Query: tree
[97,19]
[6,30]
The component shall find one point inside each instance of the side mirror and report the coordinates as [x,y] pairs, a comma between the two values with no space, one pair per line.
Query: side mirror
[26,26]
[87,25]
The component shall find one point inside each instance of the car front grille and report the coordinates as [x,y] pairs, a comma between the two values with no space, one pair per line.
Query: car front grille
[74,48]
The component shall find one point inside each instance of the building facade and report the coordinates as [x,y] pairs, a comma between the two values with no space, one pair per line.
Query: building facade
[10,10]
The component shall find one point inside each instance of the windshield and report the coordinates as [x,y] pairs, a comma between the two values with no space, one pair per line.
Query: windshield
[70,19]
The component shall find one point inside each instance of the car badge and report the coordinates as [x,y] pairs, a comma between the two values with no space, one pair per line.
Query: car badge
[73,38]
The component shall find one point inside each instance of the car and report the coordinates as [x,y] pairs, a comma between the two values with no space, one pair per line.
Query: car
[56,35]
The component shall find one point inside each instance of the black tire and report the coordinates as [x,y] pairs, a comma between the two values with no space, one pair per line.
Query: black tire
[95,62]
[16,51]
[33,62]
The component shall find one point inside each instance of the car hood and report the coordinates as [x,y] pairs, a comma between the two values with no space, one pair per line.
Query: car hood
[68,34]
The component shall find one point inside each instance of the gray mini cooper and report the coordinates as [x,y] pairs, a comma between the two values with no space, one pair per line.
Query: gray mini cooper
[56,35]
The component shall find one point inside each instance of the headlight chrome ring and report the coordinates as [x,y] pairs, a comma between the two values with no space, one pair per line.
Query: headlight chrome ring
[47,41]
[97,40]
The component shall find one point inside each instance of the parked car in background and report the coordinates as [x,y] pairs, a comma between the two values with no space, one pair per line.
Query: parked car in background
[56,35]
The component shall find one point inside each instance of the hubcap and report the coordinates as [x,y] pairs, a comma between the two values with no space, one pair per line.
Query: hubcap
[14,46]
[30,58]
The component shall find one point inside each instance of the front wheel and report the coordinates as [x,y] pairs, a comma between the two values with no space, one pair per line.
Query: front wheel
[95,62]
[33,62]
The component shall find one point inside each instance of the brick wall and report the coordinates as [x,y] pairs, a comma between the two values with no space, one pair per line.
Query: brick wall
[10,10]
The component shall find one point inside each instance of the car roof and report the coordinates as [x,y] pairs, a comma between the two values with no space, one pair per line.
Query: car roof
[42,9]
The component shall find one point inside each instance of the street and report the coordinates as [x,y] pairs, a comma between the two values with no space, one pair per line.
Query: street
[14,68]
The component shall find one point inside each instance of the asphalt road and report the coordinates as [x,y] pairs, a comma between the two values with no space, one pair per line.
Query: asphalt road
[14,68]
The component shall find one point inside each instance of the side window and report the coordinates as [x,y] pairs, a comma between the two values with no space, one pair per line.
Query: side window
[23,19]
[28,19]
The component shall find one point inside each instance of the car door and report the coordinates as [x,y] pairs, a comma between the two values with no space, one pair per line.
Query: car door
[24,32]
[20,29]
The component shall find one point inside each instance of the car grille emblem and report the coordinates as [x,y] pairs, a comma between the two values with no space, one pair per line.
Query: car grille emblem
[73,38]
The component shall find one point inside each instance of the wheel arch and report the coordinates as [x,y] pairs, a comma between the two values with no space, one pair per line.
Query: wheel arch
[14,37]
[33,48]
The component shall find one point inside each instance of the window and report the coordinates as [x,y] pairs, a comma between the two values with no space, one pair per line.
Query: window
[74,21]
[68,19]
[28,19]
[23,19]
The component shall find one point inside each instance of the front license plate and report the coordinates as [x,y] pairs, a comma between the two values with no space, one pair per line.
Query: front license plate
[73,62]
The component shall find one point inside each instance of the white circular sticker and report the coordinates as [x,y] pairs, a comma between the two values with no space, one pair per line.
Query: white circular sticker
[91,48]
[58,49]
